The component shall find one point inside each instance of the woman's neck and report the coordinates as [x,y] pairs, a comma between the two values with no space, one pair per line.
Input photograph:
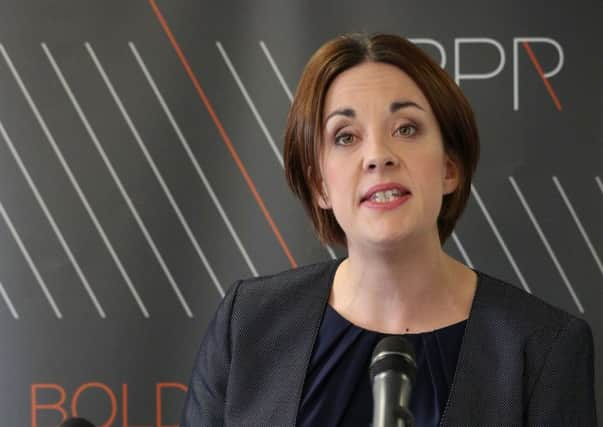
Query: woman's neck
[411,288]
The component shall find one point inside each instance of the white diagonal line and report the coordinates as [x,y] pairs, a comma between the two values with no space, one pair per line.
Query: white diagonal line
[8,302]
[29,261]
[546,243]
[250,103]
[95,220]
[599,183]
[499,238]
[160,179]
[72,179]
[578,224]
[283,83]
[193,159]
[279,76]
[462,250]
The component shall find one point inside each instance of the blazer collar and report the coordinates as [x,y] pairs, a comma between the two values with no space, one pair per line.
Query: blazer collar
[484,389]
[468,378]
[460,381]
[313,312]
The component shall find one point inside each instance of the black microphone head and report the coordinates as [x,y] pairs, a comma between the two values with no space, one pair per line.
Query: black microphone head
[394,353]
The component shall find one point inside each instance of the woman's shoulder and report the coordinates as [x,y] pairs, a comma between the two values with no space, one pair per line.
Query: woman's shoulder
[311,281]
[522,311]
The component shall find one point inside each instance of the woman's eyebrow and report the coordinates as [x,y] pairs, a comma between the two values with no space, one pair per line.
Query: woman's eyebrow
[394,106]
[398,105]
[347,112]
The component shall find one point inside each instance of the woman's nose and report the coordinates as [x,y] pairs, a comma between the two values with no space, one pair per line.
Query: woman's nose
[378,156]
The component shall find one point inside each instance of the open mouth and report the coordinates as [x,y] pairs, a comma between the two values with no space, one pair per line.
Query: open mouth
[385,194]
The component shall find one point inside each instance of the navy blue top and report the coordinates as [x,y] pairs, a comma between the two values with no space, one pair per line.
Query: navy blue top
[337,389]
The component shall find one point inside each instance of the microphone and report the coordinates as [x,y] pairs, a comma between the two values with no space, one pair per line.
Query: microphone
[393,371]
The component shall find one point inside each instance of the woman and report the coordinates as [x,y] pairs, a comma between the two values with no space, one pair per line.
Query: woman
[380,147]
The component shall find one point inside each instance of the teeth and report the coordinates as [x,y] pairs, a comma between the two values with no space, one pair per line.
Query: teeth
[385,196]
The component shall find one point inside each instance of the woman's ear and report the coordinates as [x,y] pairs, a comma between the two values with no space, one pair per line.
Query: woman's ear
[323,200]
[451,175]
[322,197]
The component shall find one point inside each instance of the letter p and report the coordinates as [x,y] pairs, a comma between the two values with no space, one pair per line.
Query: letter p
[476,40]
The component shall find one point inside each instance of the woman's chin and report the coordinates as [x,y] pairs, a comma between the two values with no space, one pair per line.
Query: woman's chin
[397,238]
[388,241]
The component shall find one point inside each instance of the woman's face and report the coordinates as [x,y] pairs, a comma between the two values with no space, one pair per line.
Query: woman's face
[384,170]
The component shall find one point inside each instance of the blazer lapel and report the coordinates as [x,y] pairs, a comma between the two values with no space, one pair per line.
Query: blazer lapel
[267,384]
[482,392]
[312,310]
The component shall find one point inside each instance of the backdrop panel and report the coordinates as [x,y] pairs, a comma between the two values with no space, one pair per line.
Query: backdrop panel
[141,174]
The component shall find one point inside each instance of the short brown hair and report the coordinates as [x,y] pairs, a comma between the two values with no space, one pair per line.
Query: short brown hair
[303,133]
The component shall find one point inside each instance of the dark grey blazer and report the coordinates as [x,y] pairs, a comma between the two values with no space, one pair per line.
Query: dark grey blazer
[521,361]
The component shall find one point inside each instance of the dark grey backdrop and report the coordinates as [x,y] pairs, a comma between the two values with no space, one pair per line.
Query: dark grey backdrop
[134,165]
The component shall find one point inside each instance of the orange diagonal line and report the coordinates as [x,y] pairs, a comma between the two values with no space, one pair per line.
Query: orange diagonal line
[222,132]
[528,49]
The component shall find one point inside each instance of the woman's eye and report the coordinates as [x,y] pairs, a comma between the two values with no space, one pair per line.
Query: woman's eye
[406,130]
[344,139]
